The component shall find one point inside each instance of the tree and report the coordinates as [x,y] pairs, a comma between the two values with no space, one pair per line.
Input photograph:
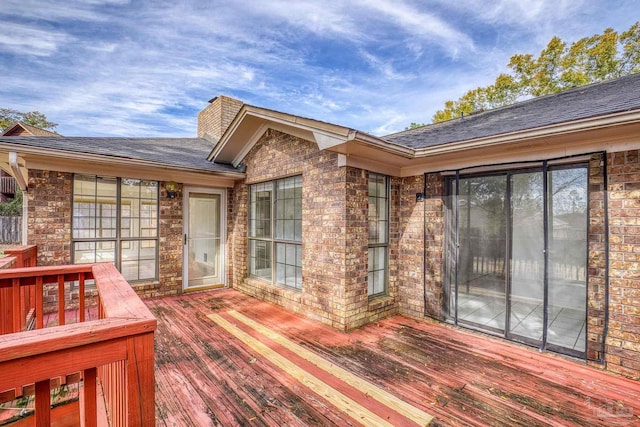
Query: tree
[13,207]
[415,125]
[558,67]
[33,118]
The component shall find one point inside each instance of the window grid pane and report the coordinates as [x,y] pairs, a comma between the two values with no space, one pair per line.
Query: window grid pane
[95,217]
[289,264]
[277,206]
[260,259]
[378,218]
[288,222]
[260,200]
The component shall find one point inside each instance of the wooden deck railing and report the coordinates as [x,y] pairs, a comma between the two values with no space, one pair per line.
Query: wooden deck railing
[17,257]
[113,354]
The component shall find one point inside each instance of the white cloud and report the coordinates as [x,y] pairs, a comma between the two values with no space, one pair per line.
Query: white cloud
[422,24]
[111,67]
[26,40]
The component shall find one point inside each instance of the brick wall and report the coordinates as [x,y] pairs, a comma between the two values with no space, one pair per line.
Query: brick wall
[49,216]
[217,116]
[170,243]
[420,220]
[49,227]
[596,279]
[334,228]
[623,339]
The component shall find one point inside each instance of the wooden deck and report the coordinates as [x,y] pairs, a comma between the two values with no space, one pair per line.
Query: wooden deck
[223,358]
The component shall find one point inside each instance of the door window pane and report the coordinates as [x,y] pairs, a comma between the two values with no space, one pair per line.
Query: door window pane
[567,257]
[482,237]
[527,255]
[496,243]
[204,237]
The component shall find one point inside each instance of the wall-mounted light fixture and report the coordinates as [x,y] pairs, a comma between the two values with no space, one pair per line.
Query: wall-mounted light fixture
[172,189]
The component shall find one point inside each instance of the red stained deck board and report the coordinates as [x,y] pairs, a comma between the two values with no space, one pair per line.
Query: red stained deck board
[462,378]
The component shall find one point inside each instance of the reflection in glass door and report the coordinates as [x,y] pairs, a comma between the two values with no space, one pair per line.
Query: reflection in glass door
[482,238]
[527,256]
[203,239]
[511,267]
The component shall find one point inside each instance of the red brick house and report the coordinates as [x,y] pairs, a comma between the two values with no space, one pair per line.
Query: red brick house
[521,222]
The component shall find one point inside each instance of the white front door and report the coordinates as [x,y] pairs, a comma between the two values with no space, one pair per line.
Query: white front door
[204,237]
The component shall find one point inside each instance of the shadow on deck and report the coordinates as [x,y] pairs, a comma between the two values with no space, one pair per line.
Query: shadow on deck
[223,358]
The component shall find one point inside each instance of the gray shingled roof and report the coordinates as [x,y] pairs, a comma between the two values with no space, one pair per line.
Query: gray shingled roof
[182,152]
[597,99]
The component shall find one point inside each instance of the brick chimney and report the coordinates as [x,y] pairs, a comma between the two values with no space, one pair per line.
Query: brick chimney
[216,118]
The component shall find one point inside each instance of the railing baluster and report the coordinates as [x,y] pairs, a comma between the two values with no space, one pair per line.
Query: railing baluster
[90,395]
[17,323]
[81,295]
[43,404]
[39,303]
[61,313]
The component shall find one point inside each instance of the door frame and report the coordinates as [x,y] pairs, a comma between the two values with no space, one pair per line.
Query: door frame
[451,192]
[185,231]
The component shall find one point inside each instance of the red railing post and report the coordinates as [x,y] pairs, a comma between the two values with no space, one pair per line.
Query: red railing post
[140,381]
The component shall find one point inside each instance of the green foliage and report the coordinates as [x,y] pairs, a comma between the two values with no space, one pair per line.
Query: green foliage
[33,118]
[558,67]
[415,125]
[12,207]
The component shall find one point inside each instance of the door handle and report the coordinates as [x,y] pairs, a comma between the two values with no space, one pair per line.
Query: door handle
[185,239]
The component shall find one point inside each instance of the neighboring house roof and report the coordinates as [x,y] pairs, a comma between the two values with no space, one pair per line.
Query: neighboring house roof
[188,153]
[23,129]
[598,99]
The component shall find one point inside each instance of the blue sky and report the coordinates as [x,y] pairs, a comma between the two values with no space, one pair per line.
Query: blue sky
[146,68]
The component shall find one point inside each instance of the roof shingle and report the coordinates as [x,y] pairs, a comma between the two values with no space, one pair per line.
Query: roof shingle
[183,152]
[598,99]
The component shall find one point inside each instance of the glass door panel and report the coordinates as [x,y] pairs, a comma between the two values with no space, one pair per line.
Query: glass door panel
[482,224]
[527,256]
[495,255]
[568,204]
[203,239]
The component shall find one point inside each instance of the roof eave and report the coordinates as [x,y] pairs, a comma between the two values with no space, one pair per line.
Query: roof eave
[74,155]
[252,122]
[582,125]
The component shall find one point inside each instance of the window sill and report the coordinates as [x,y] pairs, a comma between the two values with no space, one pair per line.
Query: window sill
[379,302]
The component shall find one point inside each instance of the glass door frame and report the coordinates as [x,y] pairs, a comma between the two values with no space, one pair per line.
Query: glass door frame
[452,218]
[222,192]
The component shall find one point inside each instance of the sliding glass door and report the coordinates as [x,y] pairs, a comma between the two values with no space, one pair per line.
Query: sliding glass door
[516,250]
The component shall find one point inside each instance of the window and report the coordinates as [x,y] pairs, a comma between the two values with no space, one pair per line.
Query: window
[116,220]
[275,227]
[378,233]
